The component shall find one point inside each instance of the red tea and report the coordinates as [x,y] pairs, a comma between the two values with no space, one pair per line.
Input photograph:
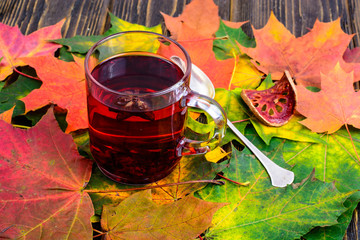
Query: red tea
[136,145]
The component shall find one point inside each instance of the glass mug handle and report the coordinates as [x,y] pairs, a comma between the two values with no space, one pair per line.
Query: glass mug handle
[191,147]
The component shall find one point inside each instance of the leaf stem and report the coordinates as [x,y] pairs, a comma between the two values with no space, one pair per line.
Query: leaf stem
[26,75]
[234,69]
[238,183]
[243,120]
[100,234]
[206,39]
[98,231]
[352,142]
[217,182]
[21,126]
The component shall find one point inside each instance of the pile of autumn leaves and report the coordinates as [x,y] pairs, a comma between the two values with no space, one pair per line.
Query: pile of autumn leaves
[318,60]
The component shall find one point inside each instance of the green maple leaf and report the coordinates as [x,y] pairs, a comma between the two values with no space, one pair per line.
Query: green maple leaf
[228,47]
[336,231]
[79,44]
[10,94]
[119,25]
[336,161]
[261,211]
[138,217]
[82,44]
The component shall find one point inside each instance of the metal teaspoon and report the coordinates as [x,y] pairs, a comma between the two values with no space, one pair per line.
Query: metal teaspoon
[200,82]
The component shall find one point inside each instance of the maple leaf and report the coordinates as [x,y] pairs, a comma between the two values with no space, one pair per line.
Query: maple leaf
[63,84]
[41,182]
[200,15]
[14,45]
[119,25]
[336,104]
[261,211]
[304,57]
[200,50]
[195,29]
[228,38]
[336,161]
[138,217]
[220,72]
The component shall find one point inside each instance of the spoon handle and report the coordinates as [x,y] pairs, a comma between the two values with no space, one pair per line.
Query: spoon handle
[279,176]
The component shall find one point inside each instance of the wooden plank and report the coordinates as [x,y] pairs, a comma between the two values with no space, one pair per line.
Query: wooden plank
[352,232]
[352,11]
[82,17]
[147,12]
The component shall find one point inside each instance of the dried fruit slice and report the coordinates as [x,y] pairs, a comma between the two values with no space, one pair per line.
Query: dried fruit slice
[274,106]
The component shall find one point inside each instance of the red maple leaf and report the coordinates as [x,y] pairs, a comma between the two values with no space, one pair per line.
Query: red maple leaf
[14,45]
[42,177]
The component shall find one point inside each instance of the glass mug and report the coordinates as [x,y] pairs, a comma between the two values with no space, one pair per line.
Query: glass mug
[137,100]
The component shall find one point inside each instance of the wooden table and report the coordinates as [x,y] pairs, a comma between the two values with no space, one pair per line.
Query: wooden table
[89,17]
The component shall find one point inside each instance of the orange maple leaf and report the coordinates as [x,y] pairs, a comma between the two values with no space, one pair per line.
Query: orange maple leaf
[200,15]
[195,30]
[63,84]
[200,50]
[14,45]
[335,105]
[304,57]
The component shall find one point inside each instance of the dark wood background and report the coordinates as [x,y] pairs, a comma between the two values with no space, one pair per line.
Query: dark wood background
[89,17]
